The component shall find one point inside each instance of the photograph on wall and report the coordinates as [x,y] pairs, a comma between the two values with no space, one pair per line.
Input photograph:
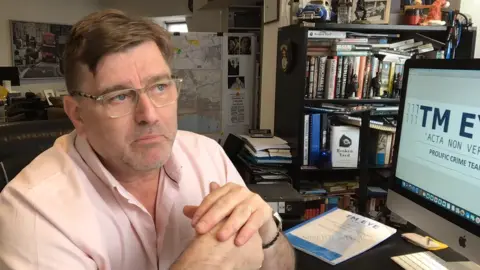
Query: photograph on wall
[233,66]
[37,49]
[236,82]
[233,45]
[246,45]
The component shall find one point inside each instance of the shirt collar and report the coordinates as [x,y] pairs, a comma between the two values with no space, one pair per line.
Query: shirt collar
[172,167]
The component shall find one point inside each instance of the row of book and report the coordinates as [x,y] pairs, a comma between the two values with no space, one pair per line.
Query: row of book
[331,77]
[329,195]
[319,200]
[340,65]
[328,143]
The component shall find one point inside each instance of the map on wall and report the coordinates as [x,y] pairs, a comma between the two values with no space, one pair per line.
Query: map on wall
[197,51]
[198,61]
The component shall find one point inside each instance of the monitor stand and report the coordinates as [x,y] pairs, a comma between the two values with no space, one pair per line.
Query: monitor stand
[463,266]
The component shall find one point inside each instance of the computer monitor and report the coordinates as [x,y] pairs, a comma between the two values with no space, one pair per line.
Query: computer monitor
[436,180]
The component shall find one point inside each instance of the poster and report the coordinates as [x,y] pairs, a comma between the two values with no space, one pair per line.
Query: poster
[238,112]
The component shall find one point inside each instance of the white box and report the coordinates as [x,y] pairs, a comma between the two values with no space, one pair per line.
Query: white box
[344,142]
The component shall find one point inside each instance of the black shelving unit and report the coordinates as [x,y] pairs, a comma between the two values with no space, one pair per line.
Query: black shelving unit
[290,98]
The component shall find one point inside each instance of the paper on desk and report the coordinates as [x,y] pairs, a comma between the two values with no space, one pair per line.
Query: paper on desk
[338,235]
[259,144]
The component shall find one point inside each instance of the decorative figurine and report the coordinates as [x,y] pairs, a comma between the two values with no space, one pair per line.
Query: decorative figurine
[352,87]
[376,84]
[434,16]
[361,13]
[344,11]
[397,85]
[413,16]
[318,9]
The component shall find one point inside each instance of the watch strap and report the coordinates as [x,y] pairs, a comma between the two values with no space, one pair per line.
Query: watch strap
[269,244]
[276,217]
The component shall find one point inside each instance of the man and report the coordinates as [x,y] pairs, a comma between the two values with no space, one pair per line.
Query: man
[125,190]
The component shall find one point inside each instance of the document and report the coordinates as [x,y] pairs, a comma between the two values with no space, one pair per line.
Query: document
[338,235]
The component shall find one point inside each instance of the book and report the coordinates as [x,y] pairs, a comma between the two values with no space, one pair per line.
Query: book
[344,143]
[338,235]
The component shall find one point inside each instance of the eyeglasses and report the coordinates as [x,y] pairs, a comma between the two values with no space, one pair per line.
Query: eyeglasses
[123,102]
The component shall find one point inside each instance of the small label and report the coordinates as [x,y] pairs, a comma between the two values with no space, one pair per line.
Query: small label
[281,208]
[274,206]
[326,34]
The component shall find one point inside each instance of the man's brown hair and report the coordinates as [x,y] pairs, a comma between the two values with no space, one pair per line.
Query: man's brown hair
[105,32]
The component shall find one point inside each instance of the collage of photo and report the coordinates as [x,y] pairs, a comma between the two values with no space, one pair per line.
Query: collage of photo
[237,47]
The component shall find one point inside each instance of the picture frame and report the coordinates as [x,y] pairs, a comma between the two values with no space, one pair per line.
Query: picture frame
[48,94]
[37,49]
[378,11]
[271,11]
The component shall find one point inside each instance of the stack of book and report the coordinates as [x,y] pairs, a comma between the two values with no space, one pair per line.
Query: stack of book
[266,150]
[354,65]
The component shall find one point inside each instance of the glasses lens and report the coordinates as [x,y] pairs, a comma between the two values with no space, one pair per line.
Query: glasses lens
[120,103]
[164,92]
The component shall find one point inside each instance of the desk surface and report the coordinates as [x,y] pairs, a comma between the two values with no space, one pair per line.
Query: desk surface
[376,258]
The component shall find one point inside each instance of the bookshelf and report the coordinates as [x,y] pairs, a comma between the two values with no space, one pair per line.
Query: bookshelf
[290,98]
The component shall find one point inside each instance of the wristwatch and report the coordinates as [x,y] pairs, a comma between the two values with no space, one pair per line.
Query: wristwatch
[278,221]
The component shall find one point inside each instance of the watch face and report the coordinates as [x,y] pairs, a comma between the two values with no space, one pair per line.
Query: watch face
[278,220]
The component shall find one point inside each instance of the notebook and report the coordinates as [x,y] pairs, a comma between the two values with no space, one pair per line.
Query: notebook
[338,235]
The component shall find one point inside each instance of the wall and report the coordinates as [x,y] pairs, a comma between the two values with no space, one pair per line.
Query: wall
[150,8]
[269,66]
[207,20]
[53,11]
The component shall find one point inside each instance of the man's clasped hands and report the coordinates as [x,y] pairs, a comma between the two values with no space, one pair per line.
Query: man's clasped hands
[231,225]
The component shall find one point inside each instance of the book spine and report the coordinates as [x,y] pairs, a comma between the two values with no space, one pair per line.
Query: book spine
[361,76]
[330,78]
[307,74]
[311,76]
[321,77]
[344,76]
[339,73]
[391,78]
[315,77]
[324,131]
[306,132]
[367,79]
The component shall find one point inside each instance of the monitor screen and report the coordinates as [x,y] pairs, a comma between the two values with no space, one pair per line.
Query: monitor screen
[438,159]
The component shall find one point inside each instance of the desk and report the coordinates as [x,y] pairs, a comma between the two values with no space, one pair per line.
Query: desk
[376,258]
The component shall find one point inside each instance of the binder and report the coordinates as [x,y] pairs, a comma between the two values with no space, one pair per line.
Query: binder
[315,143]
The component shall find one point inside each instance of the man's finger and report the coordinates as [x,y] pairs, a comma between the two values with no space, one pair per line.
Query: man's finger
[189,211]
[221,209]
[235,221]
[208,202]
[214,186]
[252,226]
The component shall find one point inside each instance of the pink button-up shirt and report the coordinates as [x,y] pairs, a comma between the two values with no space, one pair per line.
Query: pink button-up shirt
[66,211]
